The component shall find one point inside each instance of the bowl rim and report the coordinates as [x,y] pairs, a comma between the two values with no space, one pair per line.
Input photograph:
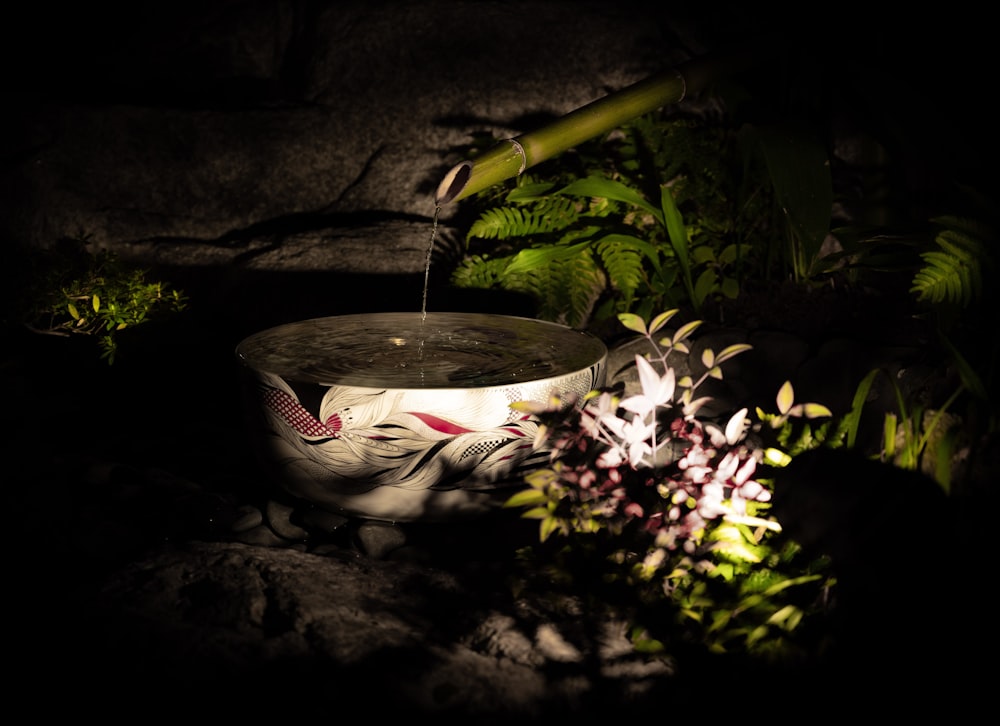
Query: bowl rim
[594,353]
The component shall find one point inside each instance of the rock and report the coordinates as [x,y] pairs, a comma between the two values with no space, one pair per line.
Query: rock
[379,539]
[279,518]
[276,133]
[229,623]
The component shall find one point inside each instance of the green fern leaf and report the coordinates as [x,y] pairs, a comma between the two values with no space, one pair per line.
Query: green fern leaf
[565,287]
[543,217]
[623,260]
[477,271]
[504,222]
[953,273]
[577,283]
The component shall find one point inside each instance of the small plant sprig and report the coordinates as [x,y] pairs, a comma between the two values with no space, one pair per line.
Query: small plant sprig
[75,292]
[662,510]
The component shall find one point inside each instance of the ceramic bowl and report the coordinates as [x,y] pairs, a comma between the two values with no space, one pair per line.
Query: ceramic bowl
[407,416]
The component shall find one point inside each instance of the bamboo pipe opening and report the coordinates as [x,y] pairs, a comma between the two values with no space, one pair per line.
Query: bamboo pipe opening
[453,183]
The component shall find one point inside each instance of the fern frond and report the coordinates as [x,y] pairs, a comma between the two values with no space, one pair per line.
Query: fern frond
[551,214]
[565,289]
[624,263]
[572,288]
[953,273]
[504,222]
[480,272]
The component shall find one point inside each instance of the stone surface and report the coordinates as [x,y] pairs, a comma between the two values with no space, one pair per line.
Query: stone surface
[296,135]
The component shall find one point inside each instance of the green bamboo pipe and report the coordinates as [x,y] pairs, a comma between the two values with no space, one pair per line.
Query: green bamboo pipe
[511,157]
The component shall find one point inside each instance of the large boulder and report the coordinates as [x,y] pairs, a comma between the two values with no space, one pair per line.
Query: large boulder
[214,133]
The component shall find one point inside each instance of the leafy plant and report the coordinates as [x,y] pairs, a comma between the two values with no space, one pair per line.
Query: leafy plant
[71,292]
[949,289]
[799,171]
[665,212]
[951,286]
[660,512]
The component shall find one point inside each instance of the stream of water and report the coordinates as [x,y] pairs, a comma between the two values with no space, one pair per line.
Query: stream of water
[427,277]
[427,263]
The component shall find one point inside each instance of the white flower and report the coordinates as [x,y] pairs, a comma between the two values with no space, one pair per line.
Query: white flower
[736,430]
[657,390]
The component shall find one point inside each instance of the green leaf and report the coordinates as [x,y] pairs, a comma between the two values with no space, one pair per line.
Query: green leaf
[706,283]
[685,330]
[660,320]
[815,410]
[730,253]
[739,550]
[633,322]
[852,420]
[675,229]
[596,186]
[732,350]
[530,192]
[547,528]
[526,498]
[648,646]
[702,254]
[730,288]
[536,257]
[799,169]
[786,397]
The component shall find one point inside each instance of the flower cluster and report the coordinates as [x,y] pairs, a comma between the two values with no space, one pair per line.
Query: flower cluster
[647,459]
[661,498]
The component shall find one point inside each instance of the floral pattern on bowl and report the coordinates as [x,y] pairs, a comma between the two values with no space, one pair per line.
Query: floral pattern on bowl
[410,449]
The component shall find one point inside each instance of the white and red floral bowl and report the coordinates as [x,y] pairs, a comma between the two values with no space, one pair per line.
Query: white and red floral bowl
[406,416]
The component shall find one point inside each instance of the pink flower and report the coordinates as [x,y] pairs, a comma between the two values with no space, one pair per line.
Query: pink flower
[632,509]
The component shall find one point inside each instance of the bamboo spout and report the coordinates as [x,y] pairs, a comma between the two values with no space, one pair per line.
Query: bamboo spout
[510,158]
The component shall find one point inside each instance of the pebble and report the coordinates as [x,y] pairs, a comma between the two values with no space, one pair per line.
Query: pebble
[247,517]
[379,539]
[279,519]
[320,520]
[262,536]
